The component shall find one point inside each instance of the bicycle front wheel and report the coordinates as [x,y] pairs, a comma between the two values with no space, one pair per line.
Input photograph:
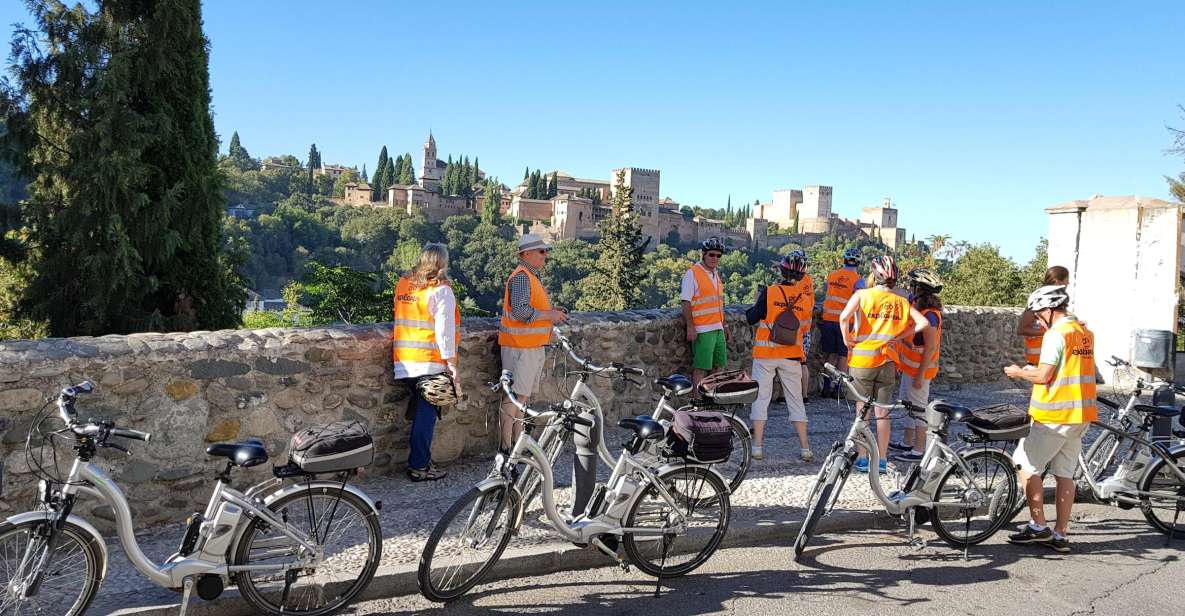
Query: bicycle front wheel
[70,574]
[345,529]
[1162,496]
[969,508]
[467,541]
[820,499]
[700,500]
[1100,461]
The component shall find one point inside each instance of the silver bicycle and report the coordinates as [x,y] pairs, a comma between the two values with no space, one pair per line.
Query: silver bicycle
[965,495]
[306,548]
[667,521]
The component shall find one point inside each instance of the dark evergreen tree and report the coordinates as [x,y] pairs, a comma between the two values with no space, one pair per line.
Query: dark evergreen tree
[407,173]
[553,187]
[313,164]
[364,177]
[376,187]
[615,282]
[527,173]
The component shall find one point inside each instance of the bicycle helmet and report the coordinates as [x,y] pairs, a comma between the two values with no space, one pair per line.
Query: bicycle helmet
[924,281]
[884,270]
[1049,296]
[851,256]
[437,389]
[792,266]
[712,243]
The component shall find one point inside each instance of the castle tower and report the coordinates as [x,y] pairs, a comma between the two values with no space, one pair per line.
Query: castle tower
[429,172]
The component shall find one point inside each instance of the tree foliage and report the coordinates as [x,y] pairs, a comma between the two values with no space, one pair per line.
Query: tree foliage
[613,283]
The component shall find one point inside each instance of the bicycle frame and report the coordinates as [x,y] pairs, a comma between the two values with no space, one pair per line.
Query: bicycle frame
[1142,444]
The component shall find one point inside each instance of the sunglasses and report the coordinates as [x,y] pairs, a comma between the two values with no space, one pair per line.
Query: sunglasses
[713,254]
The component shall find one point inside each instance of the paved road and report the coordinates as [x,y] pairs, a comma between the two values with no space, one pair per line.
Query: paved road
[1118,567]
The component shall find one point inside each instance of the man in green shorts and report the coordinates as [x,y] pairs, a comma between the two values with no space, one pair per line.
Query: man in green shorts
[702,295]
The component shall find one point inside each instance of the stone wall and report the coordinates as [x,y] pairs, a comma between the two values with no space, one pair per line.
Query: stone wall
[195,388]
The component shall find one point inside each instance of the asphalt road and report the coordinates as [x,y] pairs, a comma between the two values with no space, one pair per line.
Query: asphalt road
[1119,566]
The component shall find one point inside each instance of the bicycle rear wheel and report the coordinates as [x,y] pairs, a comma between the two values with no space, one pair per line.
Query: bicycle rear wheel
[737,466]
[701,500]
[1163,497]
[466,542]
[70,576]
[957,519]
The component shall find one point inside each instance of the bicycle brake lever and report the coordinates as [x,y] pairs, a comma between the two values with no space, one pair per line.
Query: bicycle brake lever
[117,447]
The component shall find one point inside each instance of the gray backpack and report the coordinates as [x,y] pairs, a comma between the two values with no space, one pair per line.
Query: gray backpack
[785,329]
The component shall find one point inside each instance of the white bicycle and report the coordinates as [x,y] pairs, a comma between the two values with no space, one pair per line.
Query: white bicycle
[306,548]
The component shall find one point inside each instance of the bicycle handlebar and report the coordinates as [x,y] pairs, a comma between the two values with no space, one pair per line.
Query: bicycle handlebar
[613,369]
[102,428]
[849,383]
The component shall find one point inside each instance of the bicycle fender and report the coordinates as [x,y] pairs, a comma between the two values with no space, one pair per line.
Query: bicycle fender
[671,465]
[489,483]
[334,485]
[30,516]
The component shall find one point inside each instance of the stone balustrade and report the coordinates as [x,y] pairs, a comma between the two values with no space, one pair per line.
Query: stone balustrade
[192,389]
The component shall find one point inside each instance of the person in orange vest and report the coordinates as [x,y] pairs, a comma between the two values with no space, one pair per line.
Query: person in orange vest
[1062,405]
[773,358]
[917,359]
[1029,327]
[424,343]
[840,286]
[702,296]
[527,318]
[878,317]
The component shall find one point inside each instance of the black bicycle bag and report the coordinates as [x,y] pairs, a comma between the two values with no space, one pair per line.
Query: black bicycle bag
[339,446]
[1001,422]
[700,436]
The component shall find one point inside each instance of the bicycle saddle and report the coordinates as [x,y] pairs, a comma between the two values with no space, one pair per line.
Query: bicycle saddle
[675,384]
[250,452]
[643,426]
[1158,411]
[953,411]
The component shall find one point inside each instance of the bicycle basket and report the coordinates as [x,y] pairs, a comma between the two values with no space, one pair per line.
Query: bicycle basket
[700,436]
[731,387]
[339,446]
[1000,422]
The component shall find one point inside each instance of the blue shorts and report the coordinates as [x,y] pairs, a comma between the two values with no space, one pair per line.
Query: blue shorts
[831,339]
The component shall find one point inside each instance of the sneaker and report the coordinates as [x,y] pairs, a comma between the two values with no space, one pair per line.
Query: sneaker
[898,446]
[884,467]
[426,474]
[913,457]
[1060,544]
[757,453]
[806,455]
[1030,535]
[862,465]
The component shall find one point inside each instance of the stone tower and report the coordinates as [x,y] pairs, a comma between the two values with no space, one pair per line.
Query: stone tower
[429,172]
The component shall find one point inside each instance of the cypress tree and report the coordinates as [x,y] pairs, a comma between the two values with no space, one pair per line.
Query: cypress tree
[395,178]
[364,178]
[476,172]
[615,282]
[376,187]
[388,176]
[313,163]
[553,187]
[407,175]
[527,173]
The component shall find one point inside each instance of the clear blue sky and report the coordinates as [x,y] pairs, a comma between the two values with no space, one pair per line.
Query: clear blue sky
[973,120]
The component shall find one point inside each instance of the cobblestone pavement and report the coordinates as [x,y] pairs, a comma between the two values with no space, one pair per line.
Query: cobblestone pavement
[778,482]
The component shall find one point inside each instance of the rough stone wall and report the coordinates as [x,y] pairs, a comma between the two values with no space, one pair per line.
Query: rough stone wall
[196,388]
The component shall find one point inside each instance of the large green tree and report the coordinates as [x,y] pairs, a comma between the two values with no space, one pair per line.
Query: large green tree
[377,188]
[613,283]
[109,110]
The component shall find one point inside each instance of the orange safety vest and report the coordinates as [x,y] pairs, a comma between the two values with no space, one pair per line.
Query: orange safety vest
[413,338]
[528,335]
[800,297]
[883,315]
[707,306]
[1070,398]
[1032,349]
[909,355]
[840,285]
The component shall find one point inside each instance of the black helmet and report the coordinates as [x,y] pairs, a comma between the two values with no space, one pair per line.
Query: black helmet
[712,243]
[851,256]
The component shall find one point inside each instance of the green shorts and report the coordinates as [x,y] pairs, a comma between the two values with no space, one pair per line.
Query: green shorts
[709,351]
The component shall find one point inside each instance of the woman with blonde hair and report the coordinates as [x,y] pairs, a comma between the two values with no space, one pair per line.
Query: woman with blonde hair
[424,350]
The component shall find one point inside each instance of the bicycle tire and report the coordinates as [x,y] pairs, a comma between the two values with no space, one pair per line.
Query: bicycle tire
[1099,459]
[821,494]
[71,536]
[506,502]
[1171,487]
[348,504]
[692,499]
[744,441]
[999,506]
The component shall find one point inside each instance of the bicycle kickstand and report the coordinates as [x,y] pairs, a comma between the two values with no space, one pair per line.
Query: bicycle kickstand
[915,542]
[185,595]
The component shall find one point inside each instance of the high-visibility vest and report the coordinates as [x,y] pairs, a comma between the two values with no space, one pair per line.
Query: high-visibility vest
[707,306]
[525,335]
[883,315]
[909,355]
[840,285]
[1071,397]
[1032,349]
[800,297]
[413,338]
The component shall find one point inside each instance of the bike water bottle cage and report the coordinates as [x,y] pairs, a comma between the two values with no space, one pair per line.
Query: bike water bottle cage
[245,454]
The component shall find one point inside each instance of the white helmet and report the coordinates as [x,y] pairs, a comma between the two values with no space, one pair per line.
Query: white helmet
[1049,296]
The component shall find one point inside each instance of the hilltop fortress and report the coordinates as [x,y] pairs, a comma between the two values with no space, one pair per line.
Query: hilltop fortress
[793,215]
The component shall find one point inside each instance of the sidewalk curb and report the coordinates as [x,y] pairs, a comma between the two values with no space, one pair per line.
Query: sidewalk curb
[400,580]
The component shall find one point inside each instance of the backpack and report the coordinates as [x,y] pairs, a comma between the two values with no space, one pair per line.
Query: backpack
[785,329]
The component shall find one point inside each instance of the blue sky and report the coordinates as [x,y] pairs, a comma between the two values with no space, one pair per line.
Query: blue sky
[972,119]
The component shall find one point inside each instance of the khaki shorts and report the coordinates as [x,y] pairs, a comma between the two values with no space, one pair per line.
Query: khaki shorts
[876,383]
[789,372]
[526,366]
[920,397]
[1055,446]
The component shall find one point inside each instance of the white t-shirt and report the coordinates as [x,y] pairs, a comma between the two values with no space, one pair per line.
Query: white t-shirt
[443,305]
[1053,344]
[688,290]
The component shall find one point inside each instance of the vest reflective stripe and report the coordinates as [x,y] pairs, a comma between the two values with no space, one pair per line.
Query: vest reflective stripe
[802,296]
[413,336]
[706,306]
[1033,349]
[1070,398]
[883,315]
[909,356]
[841,283]
[520,335]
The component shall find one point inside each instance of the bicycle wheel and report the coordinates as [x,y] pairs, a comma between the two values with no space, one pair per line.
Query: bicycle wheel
[961,521]
[69,582]
[1100,460]
[737,466]
[1162,498]
[702,502]
[466,542]
[341,524]
[821,497]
